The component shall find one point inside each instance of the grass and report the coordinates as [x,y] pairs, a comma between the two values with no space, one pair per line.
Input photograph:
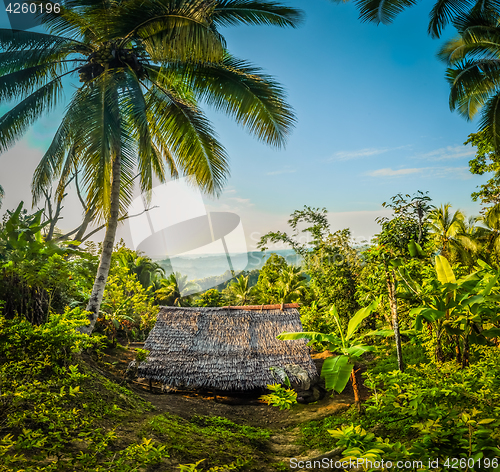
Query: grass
[216,439]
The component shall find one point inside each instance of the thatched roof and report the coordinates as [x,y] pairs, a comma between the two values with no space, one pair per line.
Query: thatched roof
[228,348]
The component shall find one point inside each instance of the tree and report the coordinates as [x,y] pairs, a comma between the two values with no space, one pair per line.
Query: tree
[487,236]
[486,161]
[267,290]
[239,292]
[474,72]
[175,290]
[211,297]
[446,228]
[145,270]
[291,285]
[443,12]
[328,258]
[407,226]
[2,194]
[339,369]
[143,65]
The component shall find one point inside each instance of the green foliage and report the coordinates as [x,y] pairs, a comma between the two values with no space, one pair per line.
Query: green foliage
[147,272]
[141,355]
[452,412]
[267,285]
[52,401]
[337,370]
[201,437]
[465,309]
[486,161]
[281,397]
[127,309]
[175,290]
[211,297]
[194,467]
[239,292]
[36,276]
[330,261]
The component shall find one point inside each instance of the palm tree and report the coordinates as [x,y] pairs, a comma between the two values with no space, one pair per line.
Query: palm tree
[142,266]
[446,230]
[239,292]
[143,65]
[175,289]
[474,72]
[291,285]
[488,235]
[2,194]
[443,12]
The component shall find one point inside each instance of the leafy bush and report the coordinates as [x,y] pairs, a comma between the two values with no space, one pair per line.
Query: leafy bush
[55,405]
[281,397]
[430,413]
[127,309]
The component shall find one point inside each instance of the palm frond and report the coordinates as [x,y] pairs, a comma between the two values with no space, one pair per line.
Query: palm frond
[134,108]
[251,12]
[170,31]
[16,121]
[444,12]
[69,21]
[382,11]
[185,131]
[64,140]
[490,119]
[472,83]
[16,40]
[240,90]
[17,85]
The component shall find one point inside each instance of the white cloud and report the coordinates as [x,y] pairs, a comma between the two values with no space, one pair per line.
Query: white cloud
[461,173]
[388,172]
[449,152]
[242,201]
[349,155]
[282,171]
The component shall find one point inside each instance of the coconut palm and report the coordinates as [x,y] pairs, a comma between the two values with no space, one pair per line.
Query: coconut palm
[239,292]
[446,228]
[291,285]
[488,235]
[175,290]
[143,65]
[474,71]
[144,268]
[443,12]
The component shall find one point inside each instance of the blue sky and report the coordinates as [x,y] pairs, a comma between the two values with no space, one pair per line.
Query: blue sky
[372,120]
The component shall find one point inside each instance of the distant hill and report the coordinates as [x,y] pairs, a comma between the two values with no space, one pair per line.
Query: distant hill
[216,265]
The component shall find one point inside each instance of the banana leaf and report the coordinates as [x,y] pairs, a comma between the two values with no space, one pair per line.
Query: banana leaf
[444,271]
[337,371]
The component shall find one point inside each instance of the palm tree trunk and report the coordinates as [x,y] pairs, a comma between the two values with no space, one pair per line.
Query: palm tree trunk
[95,300]
[391,288]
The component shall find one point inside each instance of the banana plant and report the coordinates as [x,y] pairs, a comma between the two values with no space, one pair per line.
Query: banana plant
[460,308]
[339,369]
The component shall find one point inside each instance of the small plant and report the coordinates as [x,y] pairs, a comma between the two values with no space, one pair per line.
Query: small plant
[281,397]
[141,355]
[190,467]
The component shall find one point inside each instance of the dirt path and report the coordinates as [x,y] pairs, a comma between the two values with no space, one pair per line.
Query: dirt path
[243,409]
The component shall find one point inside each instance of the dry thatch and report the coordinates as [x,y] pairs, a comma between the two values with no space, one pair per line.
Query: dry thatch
[228,348]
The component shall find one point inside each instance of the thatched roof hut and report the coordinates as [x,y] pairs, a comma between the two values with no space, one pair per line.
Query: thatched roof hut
[228,348]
